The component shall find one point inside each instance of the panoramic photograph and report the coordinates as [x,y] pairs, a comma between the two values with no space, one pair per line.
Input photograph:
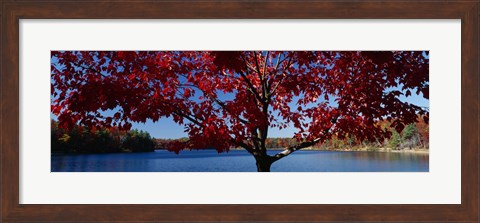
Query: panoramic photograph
[239,111]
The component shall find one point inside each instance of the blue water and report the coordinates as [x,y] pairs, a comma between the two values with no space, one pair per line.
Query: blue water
[241,161]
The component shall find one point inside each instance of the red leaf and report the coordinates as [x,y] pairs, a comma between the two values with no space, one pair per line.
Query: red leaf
[399,127]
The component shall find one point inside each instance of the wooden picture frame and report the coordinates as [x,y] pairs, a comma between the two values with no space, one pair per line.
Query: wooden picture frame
[12,11]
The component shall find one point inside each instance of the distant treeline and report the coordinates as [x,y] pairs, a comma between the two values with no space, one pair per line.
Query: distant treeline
[412,136]
[80,139]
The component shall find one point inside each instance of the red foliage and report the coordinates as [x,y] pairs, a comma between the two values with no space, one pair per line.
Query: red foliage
[320,93]
[423,129]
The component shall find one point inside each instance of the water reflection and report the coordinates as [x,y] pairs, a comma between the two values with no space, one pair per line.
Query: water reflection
[241,161]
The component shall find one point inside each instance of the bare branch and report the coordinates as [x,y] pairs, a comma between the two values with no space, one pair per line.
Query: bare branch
[278,62]
[256,63]
[302,145]
[265,64]
[243,145]
[294,148]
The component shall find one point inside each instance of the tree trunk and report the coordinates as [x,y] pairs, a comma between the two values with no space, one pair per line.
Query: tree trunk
[263,163]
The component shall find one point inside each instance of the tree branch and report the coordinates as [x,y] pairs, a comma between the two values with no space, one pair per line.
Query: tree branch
[223,73]
[294,148]
[302,145]
[224,106]
[191,118]
[278,62]
[243,145]
[263,80]
[251,88]
[289,63]
[215,100]
[256,65]
[265,64]
[88,68]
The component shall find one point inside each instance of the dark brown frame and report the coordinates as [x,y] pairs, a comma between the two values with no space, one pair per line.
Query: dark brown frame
[12,11]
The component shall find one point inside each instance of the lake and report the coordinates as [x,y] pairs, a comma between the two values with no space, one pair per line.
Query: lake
[241,161]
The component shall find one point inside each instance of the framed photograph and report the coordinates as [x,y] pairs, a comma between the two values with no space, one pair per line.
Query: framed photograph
[239,111]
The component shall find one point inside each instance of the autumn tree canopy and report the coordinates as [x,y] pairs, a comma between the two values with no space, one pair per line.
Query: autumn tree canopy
[230,99]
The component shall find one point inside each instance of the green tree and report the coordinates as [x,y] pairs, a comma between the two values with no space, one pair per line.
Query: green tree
[138,141]
[395,140]
[410,136]
[80,139]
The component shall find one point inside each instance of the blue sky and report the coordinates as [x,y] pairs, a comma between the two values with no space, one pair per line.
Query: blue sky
[167,128]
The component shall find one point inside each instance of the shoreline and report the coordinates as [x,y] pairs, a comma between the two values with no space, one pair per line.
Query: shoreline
[385,150]
[364,149]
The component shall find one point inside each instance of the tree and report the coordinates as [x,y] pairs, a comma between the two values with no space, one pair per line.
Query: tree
[410,136]
[423,130]
[231,98]
[138,141]
[395,140]
[80,139]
